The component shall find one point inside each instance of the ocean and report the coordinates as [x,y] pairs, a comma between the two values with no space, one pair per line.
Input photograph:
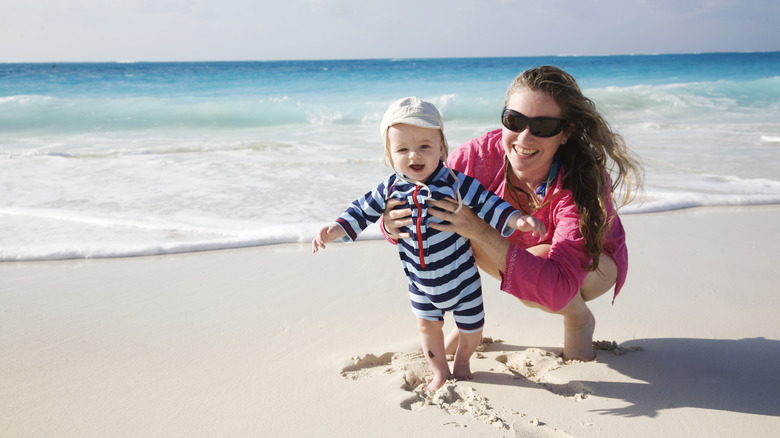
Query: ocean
[129,159]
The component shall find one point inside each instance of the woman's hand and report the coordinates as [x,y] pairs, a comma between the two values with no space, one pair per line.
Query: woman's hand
[393,220]
[464,222]
[490,244]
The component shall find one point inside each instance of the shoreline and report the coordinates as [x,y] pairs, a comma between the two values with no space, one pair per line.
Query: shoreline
[275,340]
[161,249]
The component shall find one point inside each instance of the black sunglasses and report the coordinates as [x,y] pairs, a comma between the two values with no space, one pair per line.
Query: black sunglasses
[538,126]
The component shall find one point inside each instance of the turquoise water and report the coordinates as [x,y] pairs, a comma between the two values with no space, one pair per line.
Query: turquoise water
[148,158]
[234,95]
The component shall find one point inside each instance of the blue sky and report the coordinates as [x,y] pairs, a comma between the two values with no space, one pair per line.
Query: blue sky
[216,30]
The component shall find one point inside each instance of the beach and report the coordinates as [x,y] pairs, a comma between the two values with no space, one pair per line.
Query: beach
[275,341]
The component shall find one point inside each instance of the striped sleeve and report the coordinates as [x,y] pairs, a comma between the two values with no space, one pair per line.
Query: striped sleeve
[488,206]
[364,211]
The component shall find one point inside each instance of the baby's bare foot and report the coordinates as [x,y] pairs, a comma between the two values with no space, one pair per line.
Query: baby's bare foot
[462,371]
[436,382]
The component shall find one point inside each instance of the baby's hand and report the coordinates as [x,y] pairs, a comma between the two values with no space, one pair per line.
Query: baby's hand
[530,223]
[326,235]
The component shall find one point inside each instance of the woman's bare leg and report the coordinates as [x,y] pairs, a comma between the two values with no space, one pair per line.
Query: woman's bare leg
[432,342]
[578,327]
[599,281]
[578,321]
[484,263]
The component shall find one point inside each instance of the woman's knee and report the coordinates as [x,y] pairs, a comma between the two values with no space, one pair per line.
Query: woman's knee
[486,264]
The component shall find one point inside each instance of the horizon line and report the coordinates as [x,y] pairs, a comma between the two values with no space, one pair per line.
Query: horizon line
[130,61]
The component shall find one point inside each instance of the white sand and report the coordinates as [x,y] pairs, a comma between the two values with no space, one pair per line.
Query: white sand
[260,341]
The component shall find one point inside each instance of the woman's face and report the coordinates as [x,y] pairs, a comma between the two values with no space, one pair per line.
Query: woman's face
[530,156]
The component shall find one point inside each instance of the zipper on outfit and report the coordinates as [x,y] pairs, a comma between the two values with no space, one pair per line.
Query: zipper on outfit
[421,252]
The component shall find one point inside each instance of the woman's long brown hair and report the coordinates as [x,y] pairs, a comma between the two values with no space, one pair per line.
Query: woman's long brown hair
[592,152]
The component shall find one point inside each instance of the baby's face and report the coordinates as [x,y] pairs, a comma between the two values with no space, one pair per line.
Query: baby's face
[415,151]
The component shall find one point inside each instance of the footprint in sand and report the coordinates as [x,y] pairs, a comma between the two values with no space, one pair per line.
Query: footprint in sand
[411,364]
[456,398]
[537,366]
[453,398]
[412,367]
[367,365]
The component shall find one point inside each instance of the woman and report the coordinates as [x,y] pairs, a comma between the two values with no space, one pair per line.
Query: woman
[552,159]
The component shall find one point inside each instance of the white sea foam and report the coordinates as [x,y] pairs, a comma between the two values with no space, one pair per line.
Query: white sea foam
[73,199]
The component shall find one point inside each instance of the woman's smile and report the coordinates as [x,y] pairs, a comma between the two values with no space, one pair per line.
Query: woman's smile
[524,152]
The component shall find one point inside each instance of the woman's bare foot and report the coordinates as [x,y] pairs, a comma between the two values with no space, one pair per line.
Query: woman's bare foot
[578,337]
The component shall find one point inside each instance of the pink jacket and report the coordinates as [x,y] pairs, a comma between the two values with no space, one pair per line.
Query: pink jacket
[551,282]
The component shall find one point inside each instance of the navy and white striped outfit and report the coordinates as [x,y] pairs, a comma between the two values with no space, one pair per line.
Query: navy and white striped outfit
[440,266]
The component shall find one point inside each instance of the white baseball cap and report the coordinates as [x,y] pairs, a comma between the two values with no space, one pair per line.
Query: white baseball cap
[412,111]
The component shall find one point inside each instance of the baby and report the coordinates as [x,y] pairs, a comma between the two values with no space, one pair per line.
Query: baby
[440,266]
